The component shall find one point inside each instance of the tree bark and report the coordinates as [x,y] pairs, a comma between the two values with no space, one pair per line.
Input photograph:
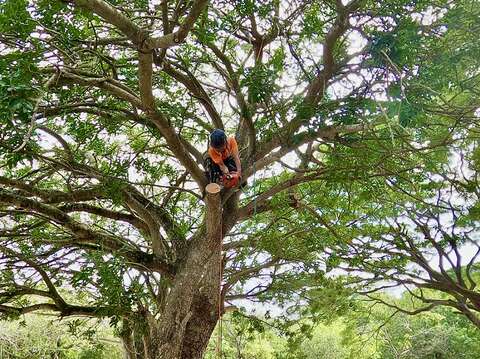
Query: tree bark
[206,308]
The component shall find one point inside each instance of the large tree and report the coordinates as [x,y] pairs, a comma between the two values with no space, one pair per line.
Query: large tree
[105,112]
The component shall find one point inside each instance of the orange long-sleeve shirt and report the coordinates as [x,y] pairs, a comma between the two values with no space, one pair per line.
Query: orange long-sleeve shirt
[230,149]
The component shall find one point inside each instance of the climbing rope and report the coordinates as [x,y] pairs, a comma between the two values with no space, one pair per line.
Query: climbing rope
[220,277]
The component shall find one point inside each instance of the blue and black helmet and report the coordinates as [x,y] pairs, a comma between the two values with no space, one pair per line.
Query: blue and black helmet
[218,138]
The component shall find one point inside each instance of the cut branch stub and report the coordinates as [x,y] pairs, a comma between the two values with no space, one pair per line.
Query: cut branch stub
[212,188]
[214,212]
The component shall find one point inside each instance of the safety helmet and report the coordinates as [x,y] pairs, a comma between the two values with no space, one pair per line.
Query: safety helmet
[218,138]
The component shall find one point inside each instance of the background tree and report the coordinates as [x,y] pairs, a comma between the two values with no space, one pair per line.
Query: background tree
[40,337]
[439,333]
[106,108]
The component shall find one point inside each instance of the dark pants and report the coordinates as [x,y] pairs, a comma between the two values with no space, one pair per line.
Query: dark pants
[213,171]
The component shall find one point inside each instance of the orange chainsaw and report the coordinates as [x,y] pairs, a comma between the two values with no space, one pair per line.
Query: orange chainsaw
[230,180]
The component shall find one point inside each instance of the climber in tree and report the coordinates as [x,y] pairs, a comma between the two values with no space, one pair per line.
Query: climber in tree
[223,160]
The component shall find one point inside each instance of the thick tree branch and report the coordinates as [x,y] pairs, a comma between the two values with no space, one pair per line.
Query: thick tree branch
[84,235]
[106,213]
[52,196]
[246,121]
[327,133]
[197,91]
[173,139]
[137,35]
[316,89]
[65,311]
[104,83]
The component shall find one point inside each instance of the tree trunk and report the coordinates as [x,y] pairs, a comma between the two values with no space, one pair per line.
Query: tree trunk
[191,307]
[206,311]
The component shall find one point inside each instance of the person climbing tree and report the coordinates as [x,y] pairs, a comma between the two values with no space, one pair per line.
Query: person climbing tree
[222,160]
